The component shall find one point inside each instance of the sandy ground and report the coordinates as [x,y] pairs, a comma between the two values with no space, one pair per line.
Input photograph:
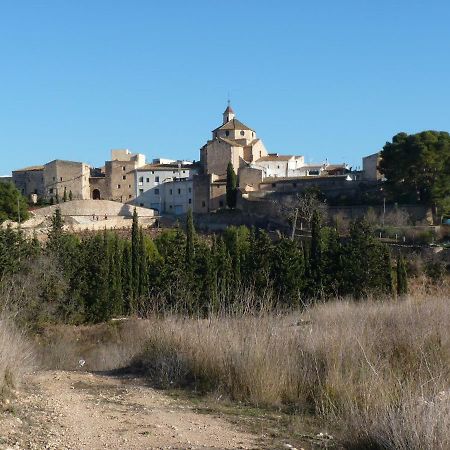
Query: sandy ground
[84,411]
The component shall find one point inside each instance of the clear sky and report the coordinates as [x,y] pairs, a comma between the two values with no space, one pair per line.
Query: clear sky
[325,79]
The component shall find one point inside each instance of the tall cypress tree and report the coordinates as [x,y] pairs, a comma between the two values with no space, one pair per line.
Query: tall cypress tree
[190,241]
[143,268]
[115,276]
[135,253]
[127,279]
[402,279]
[316,263]
[231,186]
[386,281]
[65,195]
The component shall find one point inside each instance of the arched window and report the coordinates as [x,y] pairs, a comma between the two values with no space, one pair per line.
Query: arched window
[242,133]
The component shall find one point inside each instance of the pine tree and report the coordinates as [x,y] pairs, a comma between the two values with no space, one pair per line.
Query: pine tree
[402,278]
[231,186]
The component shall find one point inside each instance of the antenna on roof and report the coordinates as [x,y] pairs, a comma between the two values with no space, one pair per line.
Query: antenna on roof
[228,101]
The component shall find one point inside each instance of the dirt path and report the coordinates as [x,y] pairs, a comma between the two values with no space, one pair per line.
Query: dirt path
[83,411]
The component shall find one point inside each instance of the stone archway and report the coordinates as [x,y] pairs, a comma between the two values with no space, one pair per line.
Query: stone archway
[96,194]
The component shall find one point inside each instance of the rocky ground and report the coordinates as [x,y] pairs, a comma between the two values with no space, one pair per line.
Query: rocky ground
[81,410]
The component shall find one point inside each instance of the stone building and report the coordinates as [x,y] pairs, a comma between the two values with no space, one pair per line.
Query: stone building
[30,181]
[66,176]
[370,167]
[232,141]
[120,176]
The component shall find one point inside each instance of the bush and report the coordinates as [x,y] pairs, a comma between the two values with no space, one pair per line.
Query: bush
[16,356]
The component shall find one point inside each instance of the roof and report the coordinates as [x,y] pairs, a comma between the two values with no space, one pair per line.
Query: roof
[231,142]
[233,124]
[30,169]
[275,158]
[269,180]
[164,167]
[229,110]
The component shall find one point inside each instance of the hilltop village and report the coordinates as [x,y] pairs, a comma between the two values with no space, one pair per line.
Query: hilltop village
[171,187]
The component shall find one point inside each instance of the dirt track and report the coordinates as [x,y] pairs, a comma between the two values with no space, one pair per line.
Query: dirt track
[83,411]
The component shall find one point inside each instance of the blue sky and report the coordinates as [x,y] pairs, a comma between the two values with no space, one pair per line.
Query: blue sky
[325,79]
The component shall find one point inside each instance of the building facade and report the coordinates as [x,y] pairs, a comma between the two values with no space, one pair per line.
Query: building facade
[165,186]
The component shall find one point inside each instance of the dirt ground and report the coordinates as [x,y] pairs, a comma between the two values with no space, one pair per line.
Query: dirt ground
[61,410]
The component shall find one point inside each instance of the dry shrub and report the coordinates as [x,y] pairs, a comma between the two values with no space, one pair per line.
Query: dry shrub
[102,347]
[16,355]
[380,370]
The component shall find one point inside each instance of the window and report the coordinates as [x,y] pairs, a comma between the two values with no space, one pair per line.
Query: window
[170,206]
[179,191]
[190,190]
[60,179]
[190,201]
[174,171]
[203,204]
[156,191]
[124,177]
[242,133]
[148,180]
[184,171]
[129,186]
[157,179]
[227,133]
[124,168]
[129,196]
[118,186]
[141,191]
[141,179]
[141,204]
[170,192]
[50,191]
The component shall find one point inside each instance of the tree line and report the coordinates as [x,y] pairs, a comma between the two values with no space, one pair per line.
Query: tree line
[104,275]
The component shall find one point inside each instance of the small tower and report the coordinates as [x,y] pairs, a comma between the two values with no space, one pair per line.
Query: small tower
[228,114]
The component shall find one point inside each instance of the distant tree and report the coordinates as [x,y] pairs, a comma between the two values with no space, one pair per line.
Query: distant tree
[70,195]
[190,240]
[143,270]
[316,263]
[127,278]
[12,203]
[65,195]
[135,248]
[231,186]
[402,278]
[416,167]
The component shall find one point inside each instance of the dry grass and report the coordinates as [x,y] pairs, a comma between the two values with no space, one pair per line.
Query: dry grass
[378,370]
[16,355]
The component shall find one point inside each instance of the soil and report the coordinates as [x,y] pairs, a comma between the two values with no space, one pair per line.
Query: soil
[88,411]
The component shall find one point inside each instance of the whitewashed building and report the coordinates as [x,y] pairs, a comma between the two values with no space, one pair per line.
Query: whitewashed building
[166,186]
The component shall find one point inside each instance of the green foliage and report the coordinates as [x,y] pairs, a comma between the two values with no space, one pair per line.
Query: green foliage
[231,186]
[105,276]
[402,279]
[12,202]
[417,167]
